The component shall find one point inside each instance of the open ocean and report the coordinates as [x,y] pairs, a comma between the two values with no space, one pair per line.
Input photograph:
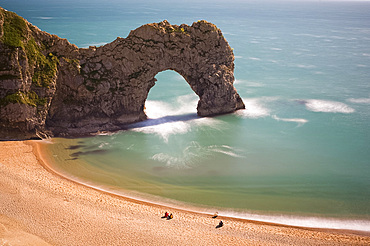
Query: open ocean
[300,152]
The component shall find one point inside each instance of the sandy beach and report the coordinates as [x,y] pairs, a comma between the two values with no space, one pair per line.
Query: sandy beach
[39,207]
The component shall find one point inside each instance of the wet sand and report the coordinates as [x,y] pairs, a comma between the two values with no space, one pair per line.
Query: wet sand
[39,207]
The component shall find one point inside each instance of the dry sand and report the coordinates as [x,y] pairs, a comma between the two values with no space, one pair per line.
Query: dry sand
[38,207]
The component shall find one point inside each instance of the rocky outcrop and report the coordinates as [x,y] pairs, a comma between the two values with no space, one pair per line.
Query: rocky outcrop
[49,86]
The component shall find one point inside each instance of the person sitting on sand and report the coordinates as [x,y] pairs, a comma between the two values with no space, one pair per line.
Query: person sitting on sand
[215,215]
[220,224]
[165,215]
[170,216]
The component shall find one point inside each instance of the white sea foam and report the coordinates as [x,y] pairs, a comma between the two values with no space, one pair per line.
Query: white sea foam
[157,109]
[47,141]
[184,105]
[104,144]
[300,121]
[253,109]
[228,33]
[209,122]
[193,153]
[187,104]
[165,130]
[309,35]
[45,18]
[238,81]
[326,106]
[254,84]
[311,222]
[226,150]
[319,72]
[171,161]
[305,66]
[103,133]
[359,100]
[254,58]
[167,119]
[184,159]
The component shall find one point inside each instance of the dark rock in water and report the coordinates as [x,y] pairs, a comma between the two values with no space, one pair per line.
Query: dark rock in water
[51,87]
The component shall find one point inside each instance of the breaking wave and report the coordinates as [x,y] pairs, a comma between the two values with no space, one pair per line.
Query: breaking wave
[253,109]
[165,119]
[166,129]
[311,222]
[300,121]
[359,100]
[325,106]
[45,18]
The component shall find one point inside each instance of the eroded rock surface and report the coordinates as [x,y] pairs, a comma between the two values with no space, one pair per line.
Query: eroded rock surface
[48,85]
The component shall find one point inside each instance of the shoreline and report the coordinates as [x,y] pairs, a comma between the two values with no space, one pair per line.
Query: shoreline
[186,227]
[40,155]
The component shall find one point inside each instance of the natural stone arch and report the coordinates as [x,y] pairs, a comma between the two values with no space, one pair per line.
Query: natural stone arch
[115,79]
[51,86]
[200,54]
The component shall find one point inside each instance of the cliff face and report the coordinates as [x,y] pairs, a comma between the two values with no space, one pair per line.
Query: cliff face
[49,86]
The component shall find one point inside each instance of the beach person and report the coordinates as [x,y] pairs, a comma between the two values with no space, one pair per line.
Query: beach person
[215,215]
[165,215]
[220,224]
[170,216]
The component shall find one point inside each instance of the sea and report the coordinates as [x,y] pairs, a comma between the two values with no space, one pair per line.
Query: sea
[299,154]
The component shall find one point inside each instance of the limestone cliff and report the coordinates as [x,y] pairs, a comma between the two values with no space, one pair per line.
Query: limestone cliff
[49,86]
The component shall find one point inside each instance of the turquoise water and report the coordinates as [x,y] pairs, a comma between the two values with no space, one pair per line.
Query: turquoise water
[299,154]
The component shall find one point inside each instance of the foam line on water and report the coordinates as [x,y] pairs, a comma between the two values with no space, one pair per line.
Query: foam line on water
[195,153]
[172,161]
[310,222]
[184,159]
[300,121]
[226,150]
[253,109]
[165,119]
[326,106]
[184,105]
[359,100]
[256,107]
[45,18]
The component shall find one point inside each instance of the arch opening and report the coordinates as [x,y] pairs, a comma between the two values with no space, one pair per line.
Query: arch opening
[170,96]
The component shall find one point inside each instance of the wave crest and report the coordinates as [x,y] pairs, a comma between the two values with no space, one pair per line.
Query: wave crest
[325,106]
[359,100]
[253,109]
[300,121]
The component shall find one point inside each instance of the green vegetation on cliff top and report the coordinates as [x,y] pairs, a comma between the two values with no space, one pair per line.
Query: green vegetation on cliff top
[14,29]
[16,35]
